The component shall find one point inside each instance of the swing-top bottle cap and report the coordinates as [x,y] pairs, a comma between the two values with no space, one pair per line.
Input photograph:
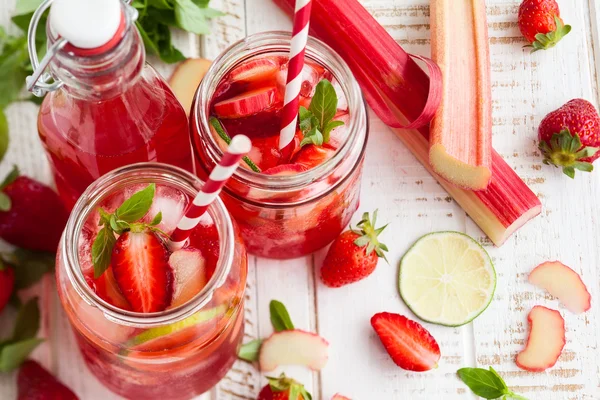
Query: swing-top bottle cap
[86,24]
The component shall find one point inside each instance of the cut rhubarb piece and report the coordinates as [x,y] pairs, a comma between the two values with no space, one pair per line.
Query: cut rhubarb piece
[189,272]
[461,132]
[254,70]
[186,78]
[338,396]
[346,26]
[564,283]
[247,104]
[546,340]
[293,347]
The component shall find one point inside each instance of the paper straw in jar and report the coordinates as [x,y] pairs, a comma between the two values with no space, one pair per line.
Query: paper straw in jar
[294,75]
[240,146]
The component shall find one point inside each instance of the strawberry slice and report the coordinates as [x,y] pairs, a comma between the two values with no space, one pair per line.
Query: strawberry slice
[311,156]
[141,268]
[106,287]
[409,344]
[286,169]
[254,70]
[247,104]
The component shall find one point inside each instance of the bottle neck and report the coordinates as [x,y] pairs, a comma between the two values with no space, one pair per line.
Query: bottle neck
[102,76]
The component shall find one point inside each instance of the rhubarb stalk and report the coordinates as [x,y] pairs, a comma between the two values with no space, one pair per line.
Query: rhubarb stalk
[398,89]
[460,143]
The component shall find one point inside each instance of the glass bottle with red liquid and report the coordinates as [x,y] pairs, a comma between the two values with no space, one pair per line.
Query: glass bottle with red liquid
[110,108]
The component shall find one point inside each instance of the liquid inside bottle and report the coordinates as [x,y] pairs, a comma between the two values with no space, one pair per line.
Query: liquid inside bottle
[113,110]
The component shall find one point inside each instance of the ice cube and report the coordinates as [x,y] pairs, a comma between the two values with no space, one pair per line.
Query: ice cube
[342,101]
[171,202]
[189,271]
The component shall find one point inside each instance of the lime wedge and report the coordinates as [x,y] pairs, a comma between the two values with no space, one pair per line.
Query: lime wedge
[447,278]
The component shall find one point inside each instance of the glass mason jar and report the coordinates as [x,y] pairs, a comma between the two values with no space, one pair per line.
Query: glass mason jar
[293,215]
[174,354]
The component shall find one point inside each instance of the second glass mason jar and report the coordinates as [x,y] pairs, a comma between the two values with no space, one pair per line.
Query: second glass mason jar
[177,353]
[286,215]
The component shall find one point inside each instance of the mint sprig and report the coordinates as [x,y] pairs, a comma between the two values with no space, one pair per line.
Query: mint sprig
[124,219]
[16,349]
[487,384]
[316,122]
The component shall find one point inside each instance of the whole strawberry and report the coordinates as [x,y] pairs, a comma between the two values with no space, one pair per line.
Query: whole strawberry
[354,254]
[31,214]
[7,283]
[283,388]
[35,383]
[570,137]
[540,23]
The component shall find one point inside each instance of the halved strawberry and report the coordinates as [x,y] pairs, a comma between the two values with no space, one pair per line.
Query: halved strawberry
[141,268]
[311,156]
[189,272]
[409,344]
[254,70]
[247,104]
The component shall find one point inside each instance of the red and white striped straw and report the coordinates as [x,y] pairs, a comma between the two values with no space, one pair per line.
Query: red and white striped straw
[240,146]
[291,101]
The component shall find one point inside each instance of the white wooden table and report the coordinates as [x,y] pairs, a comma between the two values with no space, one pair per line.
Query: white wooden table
[525,88]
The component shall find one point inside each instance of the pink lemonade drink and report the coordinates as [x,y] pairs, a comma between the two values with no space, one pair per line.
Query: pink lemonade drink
[287,203]
[151,323]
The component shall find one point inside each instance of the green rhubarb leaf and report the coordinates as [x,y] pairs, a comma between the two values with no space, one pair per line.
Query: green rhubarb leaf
[280,318]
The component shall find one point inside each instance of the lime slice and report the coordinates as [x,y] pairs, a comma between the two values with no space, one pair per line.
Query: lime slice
[447,278]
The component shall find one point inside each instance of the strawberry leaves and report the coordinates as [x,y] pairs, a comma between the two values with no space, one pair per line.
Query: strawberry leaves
[369,235]
[284,383]
[124,219]
[5,201]
[316,122]
[545,41]
[487,383]
[566,151]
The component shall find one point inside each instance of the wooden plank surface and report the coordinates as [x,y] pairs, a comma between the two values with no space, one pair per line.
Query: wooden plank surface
[525,88]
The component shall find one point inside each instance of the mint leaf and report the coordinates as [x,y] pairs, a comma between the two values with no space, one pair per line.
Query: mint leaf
[249,351]
[280,318]
[486,383]
[313,137]
[324,103]
[305,119]
[190,17]
[102,250]
[4,139]
[138,205]
[30,266]
[13,354]
[28,321]
[331,125]
[157,219]
[118,225]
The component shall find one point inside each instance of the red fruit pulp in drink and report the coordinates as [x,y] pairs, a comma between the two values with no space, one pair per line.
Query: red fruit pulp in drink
[85,139]
[249,101]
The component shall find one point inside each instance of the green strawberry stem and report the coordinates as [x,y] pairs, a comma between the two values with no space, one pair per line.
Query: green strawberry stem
[566,151]
[218,127]
[545,41]
[369,235]
[284,383]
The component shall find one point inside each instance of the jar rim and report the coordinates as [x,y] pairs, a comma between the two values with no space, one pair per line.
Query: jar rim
[114,181]
[270,42]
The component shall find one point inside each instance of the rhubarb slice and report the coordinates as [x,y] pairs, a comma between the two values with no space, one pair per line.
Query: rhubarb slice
[293,347]
[254,70]
[379,66]
[461,132]
[186,78]
[546,340]
[246,104]
[562,282]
